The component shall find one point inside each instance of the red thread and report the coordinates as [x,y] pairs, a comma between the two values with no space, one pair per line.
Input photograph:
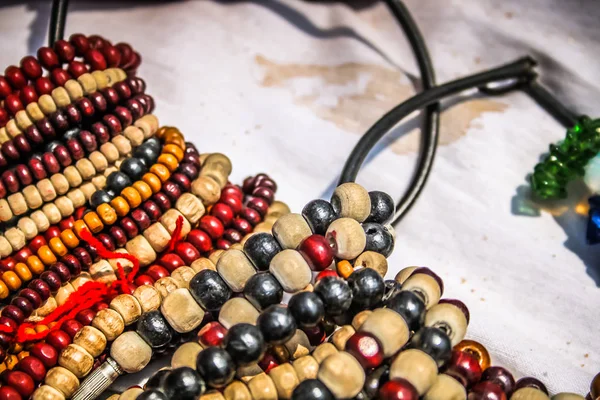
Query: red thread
[176,236]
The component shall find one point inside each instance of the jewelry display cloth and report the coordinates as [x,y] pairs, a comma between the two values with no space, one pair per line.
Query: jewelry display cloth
[288,87]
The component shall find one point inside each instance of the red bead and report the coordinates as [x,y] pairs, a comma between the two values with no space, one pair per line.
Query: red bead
[126,54]
[72,113]
[242,226]
[111,96]
[100,306]
[317,252]
[156,272]
[14,313]
[171,262]
[24,174]
[232,235]
[232,190]
[37,168]
[5,88]
[9,393]
[130,227]
[77,68]
[10,180]
[141,218]
[212,334]
[9,322]
[171,190]
[36,243]
[46,353]
[21,143]
[187,252]
[4,117]
[264,193]
[223,244]
[63,156]
[326,273]
[43,85]
[398,389]
[200,240]
[32,296]
[71,327]
[144,280]
[48,58]
[29,95]
[268,362]
[259,204]
[152,210]
[15,77]
[64,50]
[95,59]
[75,149]
[33,367]
[464,367]
[31,67]
[7,264]
[212,226]
[62,271]
[486,391]
[23,254]
[2,190]
[530,382]
[112,55]
[85,316]
[10,151]
[251,215]
[119,236]
[122,89]
[501,377]
[234,202]
[20,381]
[52,232]
[123,115]
[80,42]
[366,349]
[72,263]
[107,241]
[58,339]
[97,42]
[83,256]
[223,212]
[23,304]
[59,76]
[13,103]
[182,181]
[135,63]
[52,279]
[51,164]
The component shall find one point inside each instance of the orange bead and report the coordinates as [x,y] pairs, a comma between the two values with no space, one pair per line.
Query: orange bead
[41,328]
[132,196]
[175,138]
[22,354]
[173,149]
[12,280]
[120,205]
[107,214]
[52,324]
[79,226]
[11,361]
[35,265]
[344,269]
[169,161]
[161,171]
[153,181]
[57,246]
[3,367]
[23,272]
[69,238]
[144,189]
[4,292]
[92,220]
[161,131]
[46,255]
[477,350]
[30,331]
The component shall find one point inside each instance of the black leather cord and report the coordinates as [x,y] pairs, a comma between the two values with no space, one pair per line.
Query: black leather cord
[551,104]
[58,18]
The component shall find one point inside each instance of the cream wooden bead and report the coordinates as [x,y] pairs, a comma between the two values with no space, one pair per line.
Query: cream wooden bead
[80,280]
[101,79]
[262,388]
[47,392]
[62,380]
[190,207]
[47,104]
[15,237]
[299,345]
[109,322]
[567,396]
[389,328]
[5,247]
[131,394]
[28,227]
[417,367]
[141,249]
[88,83]
[34,111]
[102,271]
[169,221]
[166,285]
[22,119]
[264,226]
[149,298]
[447,388]
[91,339]
[110,152]
[207,189]
[73,176]
[285,380]
[63,293]
[216,255]
[291,270]
[248,372]
[236,311]
[448,318]
[33,197]
[128,307]
[351,200]
[306,367]
[52,213]
[373,260]
[77,197]
[237,390]
[158,236]
[360,318]
[181,311]
[134,135]
[17,203]
[61,97]
[217,166]
[529,393]
[114,397]
[342,374]
[122,144]
[89,188]
[4,135]
[131,352]
[183,275]
[185,355]
[323,351]
[349,238]
[98,160]
[6,213]
[46,308]
[46,189]
[41,220]
[76,359]
[278,209]
[235,269]
[203,263]
[290,230]
[65,206]
[60,183]
[74,89]
[12,128]
[425,286]
[341,336]
[404,274]
[85,168]
[123,262]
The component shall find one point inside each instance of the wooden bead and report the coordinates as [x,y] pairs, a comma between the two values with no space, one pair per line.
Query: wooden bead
[91,339]
[373,260]
[446,387]
[181,311]
[12,128]
[73,176]
[237,390]
[101,79]
[261,387]
[141,249]
[207,189]
[341,336]
[417,367]
[98,160]
[82,279]
[131,352]
[149,298]
[128,307]
[74,89]
[16,238]
[285,380]
[46,190]
[190,207]
[109,322]
[349,238]
[23,272]
[69,238]
[85,168]
[323,351]
[88,83]
[89,188]
[35,265]
[61,97]
[217,166]
[131,394]
[161,172]
[152,181]
[298,346]
[351,200]
[41,220]
[342,374]
[33,197]
[103,272]
[426,286]
[183,275]
[278,209]
[47,104]
[169,221]
[132,196]
[107,214]
[62,380]
[360,318]
[166,285]
[567,396]
[216,255]
[169,161]
[34,111]
[143,189]
[148,124]
[203,263]
[52,213]
[57,246]
[122,144]
[404,274]
[185,355]
[235,269]
[28,227]
[5,211]
[389,328]
[236,311]
[60,183]
[65,207]
[12,280]
[529,393]
[290,230]
[22,119]
[46,392]
[134,135]
[17,203]
[110,151]
[120,205]
[450,319]
[46,255]
[212,395]
[63,294]
[77,360]
[306,367]
[158,236]
[5,247]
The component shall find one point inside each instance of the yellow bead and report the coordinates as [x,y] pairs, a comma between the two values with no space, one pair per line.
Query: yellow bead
[46,255]
[12,281]
[107,214]
[144,189]
[69,238]
[344,269]
[93,222]
[174,150]
[4,292]
[79,226]
[23,272]
[161,171]
[132,196]
[477,350]
[35,265]
[169,161]
[153,181]
[120,205]
[57,246]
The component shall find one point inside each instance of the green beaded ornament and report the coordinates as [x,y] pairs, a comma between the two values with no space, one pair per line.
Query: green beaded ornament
[566,160]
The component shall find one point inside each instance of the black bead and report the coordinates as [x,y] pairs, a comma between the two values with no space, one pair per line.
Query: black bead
[391,288]
[382,207]
[277,324]
[133,168]
[410,306]
[209,290]
[379,239]
[152,394]
[367,288]
[245,344]
[157,380]
[147,154]
[154,329]
[375,380]
[215,366]
[99,197]
[319,214]
[153,143]
[434,342]
[260,249]
[307,308]
[117,181]
[184,383]
[263,290]
[335,293]
[312,389]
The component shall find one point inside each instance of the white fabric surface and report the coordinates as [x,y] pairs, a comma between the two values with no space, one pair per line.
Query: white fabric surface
[286,87]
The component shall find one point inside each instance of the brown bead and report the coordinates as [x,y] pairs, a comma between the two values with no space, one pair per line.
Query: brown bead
[285,379]
[291,270]
[149,298]
[373,260]
[169,221]
[306,368]
[166,285]
[207,189]
[77,360]
[446,387]
[360,318]
[417,367]
[128,307]
[349,238]
[142,250]
[450,319]
[190,207]
[235,269]
[299,345]
[341,336]
[109,322]
[426,286]
[342,374]
[389,328]
[237,310]
[261,387]
[323,351]
[62,380]
[91,339]
[131,352]
[185,355]
[351,200]
[47,392]
[181,311]
[290,230]
[237,390]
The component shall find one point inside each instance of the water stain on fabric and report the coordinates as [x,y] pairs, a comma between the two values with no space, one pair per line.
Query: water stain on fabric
[353,96]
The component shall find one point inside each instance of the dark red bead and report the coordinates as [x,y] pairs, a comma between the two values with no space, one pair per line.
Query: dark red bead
[73,115]
[130,227]
[20,381]
[24,174]
[46,353]
[22,144]
[80,43]
[259,205]
[126,54]
[135,109]
[85,316]
[5,88]
[64,50]
[85,106]
[398,389]
[107,241]
[23,304]
[156,272]
[2,190]
[200,240]
[2,356]
[101,132]
[464,367]
[14,313]
[52,232]
[193,159]
[188,170]
[52,279]
[187,252]
[123,115]
[36,166]
[100,306]
[4,117]
[171,190]
[85,259]
[95,59]
[113,124]
[486,391]
[144,280]
[182,181]
[46,128]
[51,164]
[232,235]
[366,349]
[98,102]
[13,103]
[530,382]
[62,271]
[317,252]
[112,55]
[32,296]
[9,393]
[5,340]
[62,156]
[29,95]
[41,288]
[31,67]
[111,96]
[10,180]
[71,327]
[268,183]
[58,339]
[60,121]
[232,190]
[264,193]
[145,101]
[48,58]
[15,77]
[223,244]
[162,200]
[9,322]
[88,141]
[122,89]
[171,262]
[326,273]
[152,209]
[251,215]
[59,77]
[33,367]
[72,263]
[141,218]
[212,334]
[3,160]
[135,63]
[77,68]
[23,254]
[97,42]
[268,362]
[43,86]
[501,377]
[137,85]
[119,235]
[7,264]
[75,149]
[234,202]
[212,226]
[242,226]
